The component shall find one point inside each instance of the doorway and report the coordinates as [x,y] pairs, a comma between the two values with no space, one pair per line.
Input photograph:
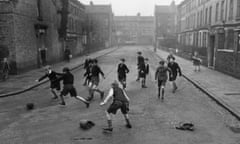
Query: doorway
[211,52]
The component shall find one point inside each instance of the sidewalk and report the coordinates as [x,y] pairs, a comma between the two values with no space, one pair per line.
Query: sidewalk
[18,83]
[224,89]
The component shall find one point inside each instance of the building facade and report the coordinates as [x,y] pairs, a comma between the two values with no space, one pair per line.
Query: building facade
[165,25]
[34,33]
[212,27]
[134,29]
[99,22]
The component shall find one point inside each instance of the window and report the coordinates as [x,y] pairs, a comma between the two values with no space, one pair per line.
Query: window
[206,16]
[222,10]
[230,17]
[217,9]
[210,15]
[238,8]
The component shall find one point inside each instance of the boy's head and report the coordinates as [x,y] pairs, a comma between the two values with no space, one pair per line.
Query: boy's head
[122,60]
[139,53]
[161,63]
[95,61]
[5,59]
[47,68]
[66,70]
[171,59]
[146,60]
[115,84]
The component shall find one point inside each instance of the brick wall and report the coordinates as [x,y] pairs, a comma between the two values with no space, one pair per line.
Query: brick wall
[20,33]
[228,62]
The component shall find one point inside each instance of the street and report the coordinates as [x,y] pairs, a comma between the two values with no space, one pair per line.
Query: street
[153,121]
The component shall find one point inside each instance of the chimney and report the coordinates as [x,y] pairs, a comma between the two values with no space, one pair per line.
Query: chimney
[91,3]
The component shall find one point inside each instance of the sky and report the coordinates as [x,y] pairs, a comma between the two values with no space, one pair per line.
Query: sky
[132,7]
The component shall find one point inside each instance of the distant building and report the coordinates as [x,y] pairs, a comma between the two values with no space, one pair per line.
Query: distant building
[75,38]
[134,29]
[165,24]
[100,25]
[212,27]
[29,31]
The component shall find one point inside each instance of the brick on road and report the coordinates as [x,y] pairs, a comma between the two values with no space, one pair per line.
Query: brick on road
[224,88]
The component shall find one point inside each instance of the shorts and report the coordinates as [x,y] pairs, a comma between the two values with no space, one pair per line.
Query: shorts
[196,62]
[121,78]
[69,88]
[113,108]
[95,80]
[55,85]
[173,78]
[142,74]
[161,83]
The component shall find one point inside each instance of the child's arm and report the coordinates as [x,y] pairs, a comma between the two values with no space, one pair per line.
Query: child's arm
[110,95]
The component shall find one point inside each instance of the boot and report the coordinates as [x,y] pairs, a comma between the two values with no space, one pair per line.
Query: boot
[128,125]
[109,128]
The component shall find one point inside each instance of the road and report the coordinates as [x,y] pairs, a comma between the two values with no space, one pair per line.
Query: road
[153,121]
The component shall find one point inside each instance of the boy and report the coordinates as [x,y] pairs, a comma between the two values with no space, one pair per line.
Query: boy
[87,74]
[140,62]
[93,85]
[5,69]
[175,71]
[122,71]
[120,101]
[54,81]
[161,77]
[68,80]
[170,56]
[196,61]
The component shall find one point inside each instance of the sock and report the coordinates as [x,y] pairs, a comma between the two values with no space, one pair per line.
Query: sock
[162,93]
[109,124]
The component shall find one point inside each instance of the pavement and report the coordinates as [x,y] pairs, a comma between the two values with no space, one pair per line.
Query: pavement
[222,88]
[153,121]
[23,82]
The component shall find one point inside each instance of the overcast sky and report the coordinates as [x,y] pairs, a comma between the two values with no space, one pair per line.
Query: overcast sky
[132,7]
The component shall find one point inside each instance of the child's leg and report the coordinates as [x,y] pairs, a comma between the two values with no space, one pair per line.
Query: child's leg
[83,100]
[54,93]
[162,89]
[62,100]
[128,124]
[109,121]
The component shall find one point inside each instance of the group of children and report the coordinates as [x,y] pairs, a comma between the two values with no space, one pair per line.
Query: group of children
[120,98]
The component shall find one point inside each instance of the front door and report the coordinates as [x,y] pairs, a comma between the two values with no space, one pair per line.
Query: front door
[211,52]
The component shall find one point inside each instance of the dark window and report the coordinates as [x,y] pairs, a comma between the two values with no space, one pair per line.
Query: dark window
[217,9]
[230,10]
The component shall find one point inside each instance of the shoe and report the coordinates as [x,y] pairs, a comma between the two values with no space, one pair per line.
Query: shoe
[128,126]
[137,80]
[62,103]
[144,86]
[102,95]
[84,84]
[55,98]
[87,104]
[108,129]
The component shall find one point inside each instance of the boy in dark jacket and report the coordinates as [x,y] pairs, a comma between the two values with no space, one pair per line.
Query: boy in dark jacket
[87,74]
[93,85]
[161,77]
[68,87]
[54,81]
[122,71]
[140,63]
[175,71]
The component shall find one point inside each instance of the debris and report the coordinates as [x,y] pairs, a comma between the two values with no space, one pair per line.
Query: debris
[185,126]
[29,106]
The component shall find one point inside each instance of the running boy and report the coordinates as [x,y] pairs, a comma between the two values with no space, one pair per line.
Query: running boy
[54,81]
[161,77]
[140,62]
[93,85]
[122,71]
[120,101]
[88,72]
[68,87]
[196,61]
[175,71]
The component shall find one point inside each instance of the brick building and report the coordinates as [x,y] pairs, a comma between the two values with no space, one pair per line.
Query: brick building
[134,29]
[165,24]
[212,28]
[34,32]
[99,23]
[73,18]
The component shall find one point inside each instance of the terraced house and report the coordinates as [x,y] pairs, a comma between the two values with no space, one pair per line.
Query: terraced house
[211,27]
